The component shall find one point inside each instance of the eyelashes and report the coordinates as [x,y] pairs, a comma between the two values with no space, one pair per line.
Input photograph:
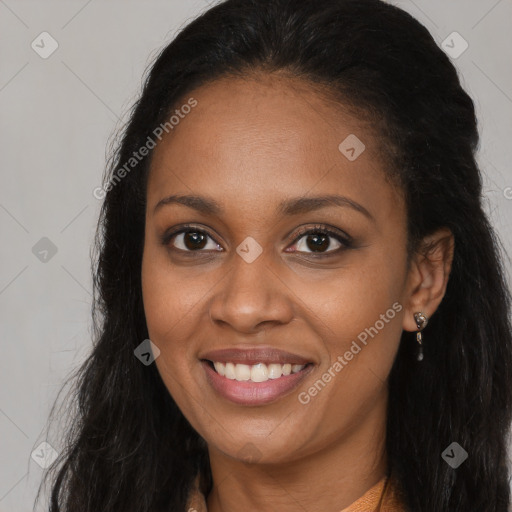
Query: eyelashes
[318,232]
[167,238]
[342,238]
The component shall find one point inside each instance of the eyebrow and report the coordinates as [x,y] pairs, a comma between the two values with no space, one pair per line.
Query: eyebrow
[287,207]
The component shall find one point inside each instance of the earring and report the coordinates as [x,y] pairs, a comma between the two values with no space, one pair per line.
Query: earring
[421,322]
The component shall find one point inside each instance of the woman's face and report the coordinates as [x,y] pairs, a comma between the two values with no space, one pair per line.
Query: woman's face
[245,279]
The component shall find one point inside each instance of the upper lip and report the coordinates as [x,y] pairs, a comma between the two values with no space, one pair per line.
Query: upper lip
[254,355]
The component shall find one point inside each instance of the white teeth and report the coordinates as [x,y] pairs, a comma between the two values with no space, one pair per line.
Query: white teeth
[230,371]
[287,369]
[220,368]
[257,372]
[242,372]
[274,371]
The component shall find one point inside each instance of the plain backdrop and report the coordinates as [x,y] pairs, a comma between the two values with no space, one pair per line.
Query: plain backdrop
[57,117]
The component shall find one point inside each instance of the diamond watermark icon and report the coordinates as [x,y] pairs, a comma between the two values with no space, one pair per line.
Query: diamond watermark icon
[249,249]
[351,147]
[454,455]
[146,352]
[44,455]
[454,45]
[44,45]
[249,453]
[44,250]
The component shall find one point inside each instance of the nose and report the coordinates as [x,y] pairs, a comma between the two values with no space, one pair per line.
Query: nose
[251,296]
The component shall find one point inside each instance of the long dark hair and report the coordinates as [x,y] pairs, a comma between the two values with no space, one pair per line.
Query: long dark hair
[129,447]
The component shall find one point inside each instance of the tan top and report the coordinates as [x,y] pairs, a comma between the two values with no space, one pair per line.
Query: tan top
[382,497]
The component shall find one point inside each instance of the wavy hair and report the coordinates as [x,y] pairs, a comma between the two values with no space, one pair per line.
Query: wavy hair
[128,447]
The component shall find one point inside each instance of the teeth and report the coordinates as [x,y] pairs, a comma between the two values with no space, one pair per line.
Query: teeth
[229,370]
[260,372]
[274,371]
[242,372]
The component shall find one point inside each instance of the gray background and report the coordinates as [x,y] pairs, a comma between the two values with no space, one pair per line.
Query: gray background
[58,115]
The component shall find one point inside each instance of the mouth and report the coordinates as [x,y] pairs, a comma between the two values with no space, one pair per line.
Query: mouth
[260,372]
[254,384]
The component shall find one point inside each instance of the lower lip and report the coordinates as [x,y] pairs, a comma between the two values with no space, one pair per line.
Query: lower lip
[254,393]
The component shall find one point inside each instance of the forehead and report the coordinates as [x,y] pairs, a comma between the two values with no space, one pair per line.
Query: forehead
[257,140]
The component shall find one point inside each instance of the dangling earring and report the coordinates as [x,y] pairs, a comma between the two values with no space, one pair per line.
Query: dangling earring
[421,322]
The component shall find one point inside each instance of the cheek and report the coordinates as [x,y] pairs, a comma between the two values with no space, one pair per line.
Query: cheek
[360,319]
[359,296]
[171,297]
[352,384]
[168,317]
[166,320]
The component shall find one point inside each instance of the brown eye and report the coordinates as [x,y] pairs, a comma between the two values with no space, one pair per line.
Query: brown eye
[192,240]
[317,242]
[321,240]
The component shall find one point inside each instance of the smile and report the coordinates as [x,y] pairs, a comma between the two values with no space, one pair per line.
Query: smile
[260,372]
[256,384]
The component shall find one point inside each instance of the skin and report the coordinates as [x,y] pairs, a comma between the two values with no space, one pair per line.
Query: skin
[249,144]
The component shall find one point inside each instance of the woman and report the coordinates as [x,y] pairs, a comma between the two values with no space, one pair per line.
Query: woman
[302,302]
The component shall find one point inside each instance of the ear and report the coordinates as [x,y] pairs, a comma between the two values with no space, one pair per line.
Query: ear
[428,276]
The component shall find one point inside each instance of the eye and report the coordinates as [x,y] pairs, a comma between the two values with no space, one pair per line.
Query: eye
[319,240]
[190,239]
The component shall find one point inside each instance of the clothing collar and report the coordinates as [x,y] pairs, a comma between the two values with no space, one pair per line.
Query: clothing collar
[382,497]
